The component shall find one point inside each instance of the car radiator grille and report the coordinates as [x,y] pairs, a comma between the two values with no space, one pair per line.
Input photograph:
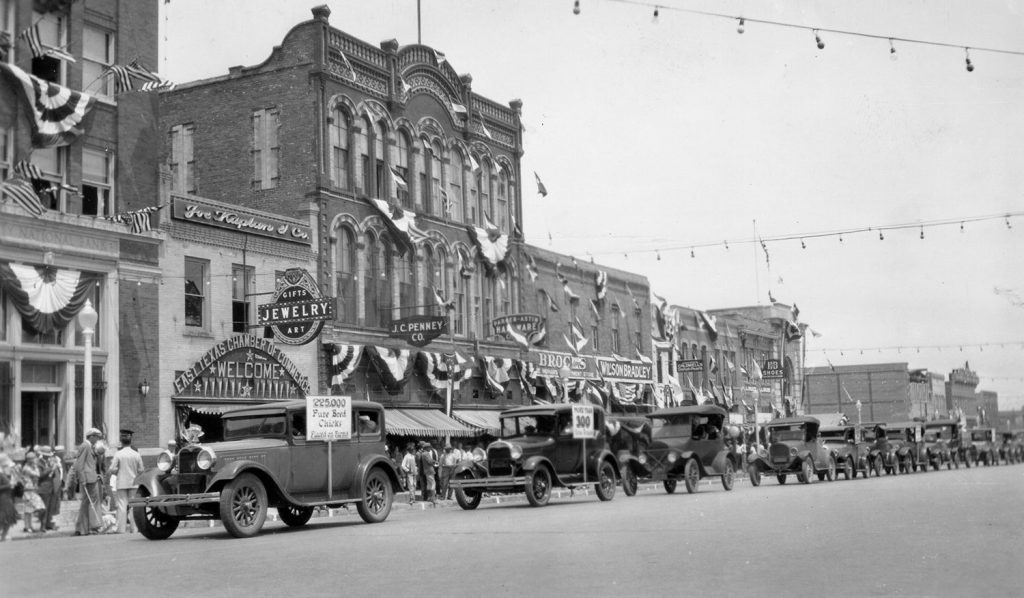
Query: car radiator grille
[190,478]
[779,453]
[499,461]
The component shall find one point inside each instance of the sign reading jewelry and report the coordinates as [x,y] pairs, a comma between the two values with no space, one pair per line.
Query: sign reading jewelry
[418,331]
[298,311]
[211,213]
[242,367]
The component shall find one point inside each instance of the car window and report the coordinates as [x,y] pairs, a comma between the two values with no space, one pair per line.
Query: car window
[675,427]
[254,426]
[299,425]
[368,425]
[896,435]
[785,433]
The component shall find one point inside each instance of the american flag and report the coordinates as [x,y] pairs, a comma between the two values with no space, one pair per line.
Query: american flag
[137,220]
[122,78]
[35,45]
[153,81]
[28,170]
[23,194]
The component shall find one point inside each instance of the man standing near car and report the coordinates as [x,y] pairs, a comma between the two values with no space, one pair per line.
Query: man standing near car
[410,470]
[428,469]
[127,465]
[90,520]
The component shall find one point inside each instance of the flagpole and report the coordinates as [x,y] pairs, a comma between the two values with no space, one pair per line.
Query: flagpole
[419,29]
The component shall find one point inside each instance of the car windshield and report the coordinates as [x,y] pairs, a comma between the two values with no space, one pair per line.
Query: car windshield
[251,426]
[670,427]
[786,433]
[833,435]
[979,435]
[938,433]
[896,434]
[870,435]
[528,425]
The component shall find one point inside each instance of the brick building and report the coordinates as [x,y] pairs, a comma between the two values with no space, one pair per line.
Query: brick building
[410,181]
[69,253]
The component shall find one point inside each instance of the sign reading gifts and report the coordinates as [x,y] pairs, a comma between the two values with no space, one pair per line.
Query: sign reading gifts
[550,362]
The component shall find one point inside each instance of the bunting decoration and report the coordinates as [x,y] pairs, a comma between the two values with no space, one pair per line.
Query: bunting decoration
[399,181]
[47,298]
[709,323]
[138,221]
[24,194]
[401,224]
[496,372]
[518,337]
[57,112]
[434,369]
[392,365]
[491,243]
[552,306]
[541,189]
[601,284]
[344,358]
[578,340]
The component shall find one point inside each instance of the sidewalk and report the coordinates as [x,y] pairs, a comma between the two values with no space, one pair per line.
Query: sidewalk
[65,521]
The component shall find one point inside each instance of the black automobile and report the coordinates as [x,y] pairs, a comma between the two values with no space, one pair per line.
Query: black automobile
[793,447]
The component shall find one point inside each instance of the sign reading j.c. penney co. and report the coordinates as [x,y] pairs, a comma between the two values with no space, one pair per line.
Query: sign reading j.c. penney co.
[202,211]
[418,331]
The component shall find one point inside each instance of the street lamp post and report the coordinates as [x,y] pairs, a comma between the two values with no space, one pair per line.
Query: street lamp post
[87,318]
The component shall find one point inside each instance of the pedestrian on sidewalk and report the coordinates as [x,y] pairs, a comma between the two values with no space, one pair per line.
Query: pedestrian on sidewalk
[49,484]
[126,466]
[428,468]
[90,517]
[8,514]
[449,459]
[33,504]
[410,471]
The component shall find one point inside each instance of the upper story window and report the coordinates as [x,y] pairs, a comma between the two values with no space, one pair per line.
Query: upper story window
[455,187]
[484,186]
[98,54]
[7,26]
[436,167]
[181,160]
[242,279]
[402,168]
[615,329]
[53,33]
[380,188]
[197,283]
[407,284]
[346,275]
[6,152]
[52,162]
[265,148]
[363,147]
[501,202]
[339,131]
[97,182]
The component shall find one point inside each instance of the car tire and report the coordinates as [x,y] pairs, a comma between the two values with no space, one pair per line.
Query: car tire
[691,476]
[781,478]
[830,473]
[378,496]
[807,471]
[848,471]
[606,482]
[908,464]
[878,466]
[468,499]
[728,476]
[243,506]
[670,486]
[153,523]
[629,482]
[755,476]
[294,516]
[538,487]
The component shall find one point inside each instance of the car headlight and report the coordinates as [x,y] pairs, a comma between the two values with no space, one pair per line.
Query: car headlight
[165,461]
[643,459]
[792,451]
[206,458]
[673,456]
[516,452]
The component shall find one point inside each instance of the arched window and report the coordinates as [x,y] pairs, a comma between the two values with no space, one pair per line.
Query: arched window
[501,201]
[423,168]
[483,185]
[460,285]
[502,296]
[436,166]
[487,290]
[407,284]
[372,281]
[442,276]
[430,276]
[615,329]
[339,131]
[346,276]
[473,202]
[364,147]
[455,186]
[402,168]
[379,165]
[476,304]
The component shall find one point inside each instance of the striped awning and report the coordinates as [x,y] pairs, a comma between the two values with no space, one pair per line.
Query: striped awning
[424,422]
[486,420]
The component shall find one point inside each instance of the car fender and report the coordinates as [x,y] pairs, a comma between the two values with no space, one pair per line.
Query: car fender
[152,481]
[474,469]
[236,468]
[536,461]
[627,460]
[374,461]
[720,459]
[806,456]
[755,460]
[607,456]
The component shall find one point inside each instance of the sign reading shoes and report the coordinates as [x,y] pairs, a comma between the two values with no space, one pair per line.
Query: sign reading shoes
[298,311]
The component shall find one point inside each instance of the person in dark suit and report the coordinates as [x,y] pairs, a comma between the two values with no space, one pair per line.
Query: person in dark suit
[90,515]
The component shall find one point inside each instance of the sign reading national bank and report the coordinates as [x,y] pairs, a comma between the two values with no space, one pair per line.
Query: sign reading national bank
[624,370]
[203,211]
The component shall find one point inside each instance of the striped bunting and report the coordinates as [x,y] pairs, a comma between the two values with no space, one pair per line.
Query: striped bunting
[23,194]
[138,221]
[344,359]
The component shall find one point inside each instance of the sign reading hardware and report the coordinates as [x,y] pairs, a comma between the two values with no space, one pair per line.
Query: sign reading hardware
[524,323]
[772,370]
[230,217]
[418,331]
[689,365]
[298,311]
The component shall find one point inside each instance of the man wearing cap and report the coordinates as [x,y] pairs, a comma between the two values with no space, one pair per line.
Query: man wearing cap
[127,465]
[50,475]
[90,517]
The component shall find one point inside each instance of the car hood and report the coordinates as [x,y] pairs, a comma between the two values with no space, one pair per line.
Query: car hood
[530,445]
[244,445]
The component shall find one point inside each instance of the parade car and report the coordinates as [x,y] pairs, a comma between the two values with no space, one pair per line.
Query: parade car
[1011,450]
[687,443]
[983,449]
[793,447]
[942,441]
[847,445]
[536,452]
[907,441]
[628,439]
[881,452]
[266,461]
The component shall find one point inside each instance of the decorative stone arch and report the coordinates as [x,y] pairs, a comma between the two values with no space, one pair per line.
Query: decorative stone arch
[341,220]
[380,110]
[454,143]
[481,150]
[404,124]
[431,131]
[507,167]
[340,99]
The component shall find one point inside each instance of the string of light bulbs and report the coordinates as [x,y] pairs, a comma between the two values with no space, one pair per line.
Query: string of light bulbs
[917,348]
[742,22]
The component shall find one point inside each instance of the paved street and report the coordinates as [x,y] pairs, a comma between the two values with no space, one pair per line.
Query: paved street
[951,533]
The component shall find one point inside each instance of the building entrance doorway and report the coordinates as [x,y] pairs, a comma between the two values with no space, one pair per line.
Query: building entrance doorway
[38,418]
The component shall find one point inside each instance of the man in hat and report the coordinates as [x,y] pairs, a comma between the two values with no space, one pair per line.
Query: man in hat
[127,465]
[90,517]
[449,459]
[51,473]
[428,469]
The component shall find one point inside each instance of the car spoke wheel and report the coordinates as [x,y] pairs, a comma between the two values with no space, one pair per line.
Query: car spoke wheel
[243,506]
[908,464]
[294,516]
[691,475]
[605,482]
[781,478]
[807,470]
[830,474]
[377,497]
[755,476]
[468,499]
[152,522]
[878,466]
[538,487]
[848,471]
[629,482]
[670,486]
[729,476]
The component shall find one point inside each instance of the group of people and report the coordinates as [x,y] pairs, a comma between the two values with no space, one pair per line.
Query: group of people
[423,469]
[32,491]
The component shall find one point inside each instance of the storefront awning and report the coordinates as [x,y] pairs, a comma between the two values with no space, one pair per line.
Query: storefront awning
[424,422]
[214,408]
[487,420]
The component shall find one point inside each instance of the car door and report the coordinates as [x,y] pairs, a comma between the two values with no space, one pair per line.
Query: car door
[568,450]
[307,474]
[708,443]
[367,436]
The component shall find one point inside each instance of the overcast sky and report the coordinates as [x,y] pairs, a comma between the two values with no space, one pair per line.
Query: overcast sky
[657,135]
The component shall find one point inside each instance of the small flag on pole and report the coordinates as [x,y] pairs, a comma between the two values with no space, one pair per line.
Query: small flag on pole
[398,180]
[541,189]
[35,45]
[28,170]
[439,57]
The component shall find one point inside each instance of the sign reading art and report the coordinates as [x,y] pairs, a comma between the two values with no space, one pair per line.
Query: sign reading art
[230,217]
[549,362]
[624,371]
[298,311]
[418,331]
[242,367]
[524,323]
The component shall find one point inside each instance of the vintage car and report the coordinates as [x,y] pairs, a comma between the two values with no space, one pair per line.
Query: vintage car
[628,439]
[1011,450]
[687,443]
[942,441]
[847,445]
[881,453]
[907,453]
[983,449]
[536,452]
[793,447]
[266,461]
